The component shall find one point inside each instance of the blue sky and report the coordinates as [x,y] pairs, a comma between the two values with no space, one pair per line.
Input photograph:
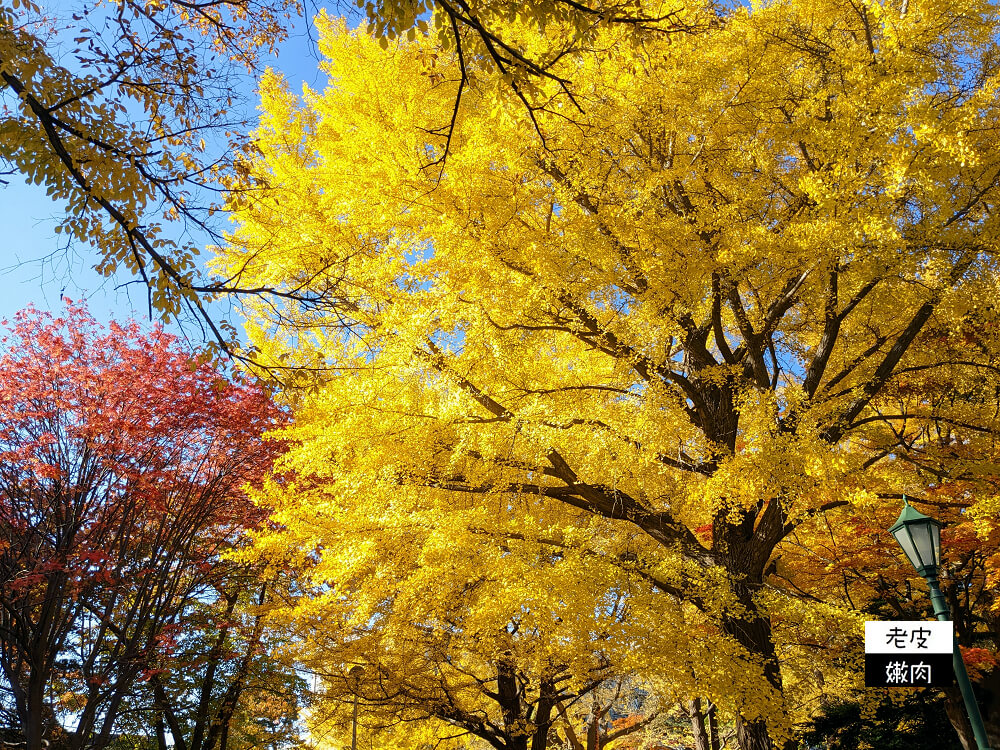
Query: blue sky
[36,266]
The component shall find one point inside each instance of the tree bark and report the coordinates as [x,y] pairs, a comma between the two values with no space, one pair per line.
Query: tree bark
[34,729]
[954,707]
[713,725]
[752,735]
[701,739]
[594,731]
[987,691]
[752,630]
[161,733]
[543,714]
[510,705]
[571,738]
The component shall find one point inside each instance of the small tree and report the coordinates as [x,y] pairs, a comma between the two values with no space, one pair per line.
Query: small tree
[223,688]
[122,462]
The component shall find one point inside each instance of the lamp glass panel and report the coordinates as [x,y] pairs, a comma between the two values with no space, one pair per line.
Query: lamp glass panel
[923,539]
[902,535]
[936,531]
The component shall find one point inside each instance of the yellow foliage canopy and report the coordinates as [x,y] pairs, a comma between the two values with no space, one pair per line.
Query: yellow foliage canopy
[700,313]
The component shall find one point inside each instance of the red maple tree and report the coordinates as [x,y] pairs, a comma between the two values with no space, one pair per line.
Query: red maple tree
[122,465]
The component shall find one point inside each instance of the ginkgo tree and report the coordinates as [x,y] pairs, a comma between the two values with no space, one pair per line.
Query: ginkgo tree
[128,113]
[681,318]
[461,631]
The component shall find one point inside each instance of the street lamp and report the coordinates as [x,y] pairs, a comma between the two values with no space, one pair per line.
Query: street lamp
[920,538]
[355,674]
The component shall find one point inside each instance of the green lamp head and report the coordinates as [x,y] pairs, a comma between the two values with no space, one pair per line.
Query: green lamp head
[920,538]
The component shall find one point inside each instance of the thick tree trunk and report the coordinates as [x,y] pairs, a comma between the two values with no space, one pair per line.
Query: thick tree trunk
[543,714]
[753,631]
[510,705]
[701,739]
[34,728]
[752,735]
[955,709]
[987,692]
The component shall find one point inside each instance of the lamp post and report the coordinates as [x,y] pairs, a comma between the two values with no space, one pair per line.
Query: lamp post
[920,538]
[355,674]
